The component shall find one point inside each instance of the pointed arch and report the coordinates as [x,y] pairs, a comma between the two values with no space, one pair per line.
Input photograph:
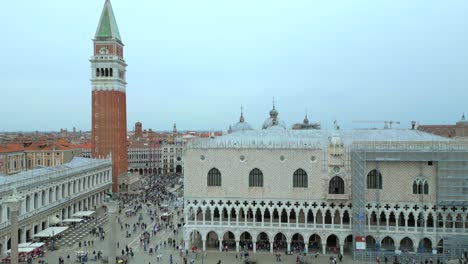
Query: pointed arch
[214,177]
[336,185]
[374,180]
[256,178]
[300,179]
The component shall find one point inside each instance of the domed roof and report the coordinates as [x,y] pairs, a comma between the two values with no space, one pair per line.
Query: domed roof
[273,112]
[462,121]
[273,121]
[241,125]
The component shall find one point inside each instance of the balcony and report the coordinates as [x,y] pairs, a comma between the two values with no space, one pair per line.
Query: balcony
[331,196]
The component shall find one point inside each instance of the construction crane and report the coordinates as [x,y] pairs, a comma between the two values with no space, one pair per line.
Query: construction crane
[387,123]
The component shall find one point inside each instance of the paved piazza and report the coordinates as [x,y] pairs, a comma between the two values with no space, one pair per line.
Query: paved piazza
[142,256]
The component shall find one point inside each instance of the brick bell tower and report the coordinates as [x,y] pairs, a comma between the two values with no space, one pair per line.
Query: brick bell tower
[109,106]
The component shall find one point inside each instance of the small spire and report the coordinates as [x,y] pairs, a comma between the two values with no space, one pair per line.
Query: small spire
[273,112]
[107,27]
[306,120]
[242,115]
[463,117]
[336,125]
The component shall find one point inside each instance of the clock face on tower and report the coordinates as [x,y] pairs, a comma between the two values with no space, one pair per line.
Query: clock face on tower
[104,50]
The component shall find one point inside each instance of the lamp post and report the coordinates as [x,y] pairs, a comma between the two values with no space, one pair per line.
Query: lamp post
[53,240]
[14,203]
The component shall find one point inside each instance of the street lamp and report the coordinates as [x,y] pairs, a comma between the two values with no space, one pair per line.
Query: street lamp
[53,240]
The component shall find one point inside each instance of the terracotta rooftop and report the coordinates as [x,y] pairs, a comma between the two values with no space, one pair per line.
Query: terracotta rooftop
[11,147]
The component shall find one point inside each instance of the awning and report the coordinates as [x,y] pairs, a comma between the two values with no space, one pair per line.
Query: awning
[23,250]
[51,231]
[37,245]
[72,220]
[53,220]
[24,245]
[83,213]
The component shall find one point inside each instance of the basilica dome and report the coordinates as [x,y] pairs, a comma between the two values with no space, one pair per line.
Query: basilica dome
[273,121]
[241,125]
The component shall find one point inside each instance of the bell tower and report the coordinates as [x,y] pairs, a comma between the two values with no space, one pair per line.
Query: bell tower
[109,113]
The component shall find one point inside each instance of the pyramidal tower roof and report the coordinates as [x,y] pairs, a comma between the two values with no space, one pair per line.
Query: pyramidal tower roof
[107,27]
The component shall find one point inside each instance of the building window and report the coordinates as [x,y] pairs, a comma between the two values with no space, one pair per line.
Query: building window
[336,185]
[256,178]
[214,177]
[300,179]
[420,186]
[374,180]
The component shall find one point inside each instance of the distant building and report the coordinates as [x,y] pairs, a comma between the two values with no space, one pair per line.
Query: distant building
[17,157]
[459,130]
[306,125]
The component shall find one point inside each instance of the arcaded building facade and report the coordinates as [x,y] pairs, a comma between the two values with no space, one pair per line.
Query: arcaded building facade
[281,189]
[51,194]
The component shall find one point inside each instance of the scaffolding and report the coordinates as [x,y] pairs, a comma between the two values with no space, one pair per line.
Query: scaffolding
[451,161]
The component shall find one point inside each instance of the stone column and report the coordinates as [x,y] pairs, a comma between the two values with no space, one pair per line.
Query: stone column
[23,235]
[14,202]
[254,247]
[237,217]
[220,245]
[4,247]
[342,249]
[288,243]
[212,217]
[112,211]
[271,217]
[305,218]
[263,217]
[221,218]
[332,220]
[314,219]
[237,245]
[387,222]
[324,249]
[204,245]
[406,223]
[271,247]
[203,214]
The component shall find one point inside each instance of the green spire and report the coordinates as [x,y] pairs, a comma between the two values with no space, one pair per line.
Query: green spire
[107,27]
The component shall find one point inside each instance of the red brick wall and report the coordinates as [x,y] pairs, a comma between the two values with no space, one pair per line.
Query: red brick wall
[109,130]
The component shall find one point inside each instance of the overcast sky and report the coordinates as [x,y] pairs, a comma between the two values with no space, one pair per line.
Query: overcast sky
[195,63]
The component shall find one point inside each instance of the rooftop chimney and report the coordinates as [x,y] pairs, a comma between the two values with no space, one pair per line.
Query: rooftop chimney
[413,125]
